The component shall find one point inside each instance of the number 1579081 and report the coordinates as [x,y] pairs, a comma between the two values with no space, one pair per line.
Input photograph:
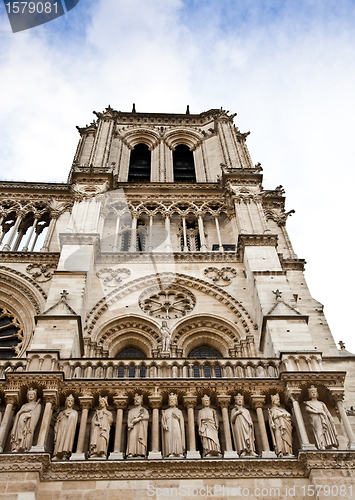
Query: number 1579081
[32,7]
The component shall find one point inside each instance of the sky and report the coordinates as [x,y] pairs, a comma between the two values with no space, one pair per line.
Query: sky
[287,68]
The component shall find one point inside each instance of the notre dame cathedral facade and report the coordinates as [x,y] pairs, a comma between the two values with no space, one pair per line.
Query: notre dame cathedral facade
[157,336]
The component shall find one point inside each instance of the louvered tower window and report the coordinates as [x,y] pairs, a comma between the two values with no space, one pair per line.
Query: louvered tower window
[139,165]
[183,164]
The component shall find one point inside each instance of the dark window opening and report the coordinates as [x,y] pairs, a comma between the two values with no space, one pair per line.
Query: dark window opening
[131,372]
[139,165]
[11,335]
[204,351]
[226,248]
[183,164]
[217,371]
[130,352]
[196,371]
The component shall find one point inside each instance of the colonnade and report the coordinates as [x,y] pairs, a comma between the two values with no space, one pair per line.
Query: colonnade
[190,402]
[26,228]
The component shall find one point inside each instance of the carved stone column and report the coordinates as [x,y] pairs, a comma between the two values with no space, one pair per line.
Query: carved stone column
[155,401]
[85,403]
[50,398]
[12,400]
[133,244]
[168,246]
[120,403]
[13,230]
[338,395]
[223,402]
[186,248]
[25,248]
[293,393]
[258,403]
[150,246]
[47,240]
[220,246]
[118,220]
[190,403]
[201,231]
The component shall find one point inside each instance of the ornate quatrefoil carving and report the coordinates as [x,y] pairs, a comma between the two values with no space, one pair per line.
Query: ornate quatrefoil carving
[113,277]
[222,276]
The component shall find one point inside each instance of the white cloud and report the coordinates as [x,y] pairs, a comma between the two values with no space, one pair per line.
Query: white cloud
[289,73]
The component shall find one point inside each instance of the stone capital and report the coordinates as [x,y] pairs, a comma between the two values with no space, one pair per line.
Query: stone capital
[223,400]
[12,396]
[50,396]
[86,402]
[190,401]
[120,402]
[293,393]
[337,393]
[257,400]
[155,401]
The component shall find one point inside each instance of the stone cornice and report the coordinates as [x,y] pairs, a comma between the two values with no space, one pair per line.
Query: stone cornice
[30,257]
[148,257]
[177,469]
[34,186]
[293,264]
[326,378]
[255,240]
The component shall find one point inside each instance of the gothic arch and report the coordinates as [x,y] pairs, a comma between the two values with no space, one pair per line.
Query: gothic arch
[125,331]
[244,322]
[186,136]
[205,329]
[24,298]
[141,136]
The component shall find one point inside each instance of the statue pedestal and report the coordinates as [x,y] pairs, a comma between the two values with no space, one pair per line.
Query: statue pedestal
[309,447]
[116,455]
[155,455]
[193,454]
[268,454]
[38,449]
[230,454]
[78,456]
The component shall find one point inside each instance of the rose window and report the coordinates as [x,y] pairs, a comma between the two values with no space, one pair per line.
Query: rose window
[11,334]
[170,303]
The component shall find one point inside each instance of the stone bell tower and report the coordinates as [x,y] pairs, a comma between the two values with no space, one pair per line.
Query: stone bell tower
[156,296]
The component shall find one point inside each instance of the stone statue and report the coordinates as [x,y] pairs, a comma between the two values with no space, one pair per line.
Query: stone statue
[322,422]
[137,429]
[173,429]
[208,429]
[165,337]
[64,430]
[100,430]
[242,429]
[281,428]
[25,423]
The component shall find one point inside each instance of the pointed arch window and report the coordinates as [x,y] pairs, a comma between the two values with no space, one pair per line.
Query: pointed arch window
[183,164]
[139,164]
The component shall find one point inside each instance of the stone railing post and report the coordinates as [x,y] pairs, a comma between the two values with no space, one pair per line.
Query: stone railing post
[85,403]
[223,402]
[258,401]
[190,403]
[293,394]
[120,402]
[155,401]
[50,398]
[12,400]
[338,396]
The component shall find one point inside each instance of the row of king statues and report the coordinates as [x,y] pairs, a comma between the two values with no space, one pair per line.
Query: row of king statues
[172,427]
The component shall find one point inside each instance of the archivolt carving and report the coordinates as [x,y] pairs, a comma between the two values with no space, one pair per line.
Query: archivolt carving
[190,138]
[245,322]
[118,334]
[209,330]
[22,300]
[140,136]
